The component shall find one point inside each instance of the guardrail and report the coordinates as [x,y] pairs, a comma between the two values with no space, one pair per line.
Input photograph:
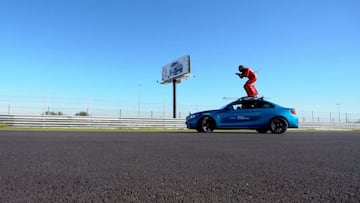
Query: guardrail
[89,122]
[111,122]
[329,126]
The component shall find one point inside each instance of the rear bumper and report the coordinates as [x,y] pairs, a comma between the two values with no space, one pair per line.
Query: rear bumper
[293,122]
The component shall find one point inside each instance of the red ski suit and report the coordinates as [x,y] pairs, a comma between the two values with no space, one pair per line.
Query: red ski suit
[249,85]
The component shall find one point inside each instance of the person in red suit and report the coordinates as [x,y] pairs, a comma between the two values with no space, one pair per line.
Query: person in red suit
[249,85]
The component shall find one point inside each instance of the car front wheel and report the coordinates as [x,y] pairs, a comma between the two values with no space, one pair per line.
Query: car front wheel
[207,125]
[199,129]
[278,125]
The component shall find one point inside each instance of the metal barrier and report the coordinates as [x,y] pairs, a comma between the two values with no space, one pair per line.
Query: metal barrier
[89,122]
[329,126]
[111,122]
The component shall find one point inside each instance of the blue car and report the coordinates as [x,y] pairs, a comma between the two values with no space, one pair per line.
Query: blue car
[245,113]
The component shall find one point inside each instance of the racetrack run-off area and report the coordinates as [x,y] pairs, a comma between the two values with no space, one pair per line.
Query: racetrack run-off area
[40,166]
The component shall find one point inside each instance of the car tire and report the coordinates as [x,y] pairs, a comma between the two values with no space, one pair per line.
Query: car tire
[278,125]
[262,131]
[206,125]
[199,129]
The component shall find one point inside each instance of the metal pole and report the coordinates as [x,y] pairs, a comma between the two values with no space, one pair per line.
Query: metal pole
[302,115]
[338,104]
[45,104]
[312,116]
[164,109]
[89,106]
[346,118]
[139,99]
[174,98]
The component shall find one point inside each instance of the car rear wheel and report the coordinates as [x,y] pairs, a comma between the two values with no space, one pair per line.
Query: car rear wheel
[207,125]
[278,125]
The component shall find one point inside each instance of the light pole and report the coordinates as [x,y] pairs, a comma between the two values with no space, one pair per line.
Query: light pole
[338,104]
[139,98]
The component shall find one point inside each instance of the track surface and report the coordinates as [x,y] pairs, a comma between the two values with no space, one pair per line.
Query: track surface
[179,167]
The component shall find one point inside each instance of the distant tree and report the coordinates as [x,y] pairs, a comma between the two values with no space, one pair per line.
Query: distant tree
[82,113]
[51,113]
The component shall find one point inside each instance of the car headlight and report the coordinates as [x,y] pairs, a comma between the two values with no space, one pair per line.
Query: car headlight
[192,116]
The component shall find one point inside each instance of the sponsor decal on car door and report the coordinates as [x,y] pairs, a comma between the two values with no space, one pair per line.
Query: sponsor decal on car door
[239,118]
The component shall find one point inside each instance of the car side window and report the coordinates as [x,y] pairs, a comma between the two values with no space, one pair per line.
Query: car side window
[237,107]
[256,105]
[263,105]
[230,107]
[268,106]
[234,107]
[246,105]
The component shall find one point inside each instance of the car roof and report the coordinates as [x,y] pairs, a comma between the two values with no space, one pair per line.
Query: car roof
[250,99]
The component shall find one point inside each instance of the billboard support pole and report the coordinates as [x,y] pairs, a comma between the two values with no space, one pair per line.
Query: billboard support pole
[174,98]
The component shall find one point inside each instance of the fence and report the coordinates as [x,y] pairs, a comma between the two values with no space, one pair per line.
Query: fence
[110,122]
[37,105]
[21,105]
[328,117]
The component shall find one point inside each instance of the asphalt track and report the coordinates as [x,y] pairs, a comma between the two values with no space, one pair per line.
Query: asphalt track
[39,166]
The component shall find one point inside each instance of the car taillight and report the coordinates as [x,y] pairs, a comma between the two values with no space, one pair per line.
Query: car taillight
[293,111]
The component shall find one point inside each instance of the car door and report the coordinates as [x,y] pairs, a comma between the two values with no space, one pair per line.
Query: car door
[239,115]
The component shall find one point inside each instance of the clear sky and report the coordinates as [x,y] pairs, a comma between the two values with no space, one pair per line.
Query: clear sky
[306,52]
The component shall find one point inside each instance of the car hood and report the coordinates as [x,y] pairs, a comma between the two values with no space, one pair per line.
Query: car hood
[207,112]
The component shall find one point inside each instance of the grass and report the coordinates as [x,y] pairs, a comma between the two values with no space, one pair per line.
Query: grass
[2,125]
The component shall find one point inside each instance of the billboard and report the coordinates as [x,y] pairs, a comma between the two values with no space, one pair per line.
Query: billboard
[176,70]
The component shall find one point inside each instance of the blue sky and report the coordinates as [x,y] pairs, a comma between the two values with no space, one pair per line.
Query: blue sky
[306,52]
